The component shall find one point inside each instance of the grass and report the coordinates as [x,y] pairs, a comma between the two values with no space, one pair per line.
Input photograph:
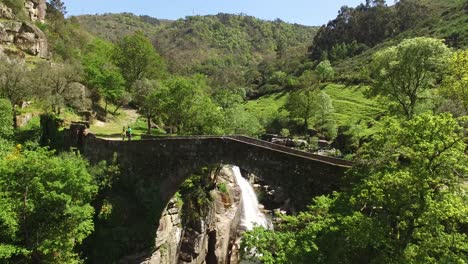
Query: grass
[268,107]
[350,103]
[112,128]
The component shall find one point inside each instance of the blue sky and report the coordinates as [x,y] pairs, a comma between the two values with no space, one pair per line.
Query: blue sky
[306,12]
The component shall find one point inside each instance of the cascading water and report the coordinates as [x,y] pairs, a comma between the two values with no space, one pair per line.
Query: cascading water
[251,214]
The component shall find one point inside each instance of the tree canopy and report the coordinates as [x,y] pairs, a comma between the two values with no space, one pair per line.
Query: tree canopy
[46,209]
[137,59]
[404,72]
[406,204]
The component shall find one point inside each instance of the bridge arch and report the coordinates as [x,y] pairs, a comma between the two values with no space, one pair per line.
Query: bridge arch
[164,163]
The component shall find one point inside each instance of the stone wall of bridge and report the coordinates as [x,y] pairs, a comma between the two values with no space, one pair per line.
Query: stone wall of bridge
[164,163]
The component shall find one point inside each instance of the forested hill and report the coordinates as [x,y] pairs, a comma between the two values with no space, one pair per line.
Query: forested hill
[222,46]
[350,39]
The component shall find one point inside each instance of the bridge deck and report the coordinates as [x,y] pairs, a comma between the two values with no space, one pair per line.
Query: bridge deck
[262,144]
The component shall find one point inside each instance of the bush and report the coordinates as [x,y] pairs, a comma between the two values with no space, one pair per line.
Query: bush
[6,118]
[222,187]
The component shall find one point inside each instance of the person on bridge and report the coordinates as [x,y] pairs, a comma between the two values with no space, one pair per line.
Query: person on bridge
[124,133]
[129,133]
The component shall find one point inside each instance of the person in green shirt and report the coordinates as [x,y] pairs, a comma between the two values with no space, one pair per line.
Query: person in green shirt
[129,133]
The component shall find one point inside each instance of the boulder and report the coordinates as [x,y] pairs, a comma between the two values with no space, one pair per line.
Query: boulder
[32,40]
[4,36]
[12,27]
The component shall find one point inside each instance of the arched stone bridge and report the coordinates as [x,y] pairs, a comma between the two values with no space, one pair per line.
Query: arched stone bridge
[163,163]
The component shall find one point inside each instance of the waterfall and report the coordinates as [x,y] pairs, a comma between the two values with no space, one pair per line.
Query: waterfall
[251,214]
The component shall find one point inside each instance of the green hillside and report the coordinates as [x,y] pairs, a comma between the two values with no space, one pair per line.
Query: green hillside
[350,104]
[444,19]
[227,48]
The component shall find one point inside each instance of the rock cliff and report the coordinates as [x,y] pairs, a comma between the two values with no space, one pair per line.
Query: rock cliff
[36,10]
[19,37]
[210,239]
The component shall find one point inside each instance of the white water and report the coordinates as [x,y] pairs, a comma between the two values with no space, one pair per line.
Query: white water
[251,214]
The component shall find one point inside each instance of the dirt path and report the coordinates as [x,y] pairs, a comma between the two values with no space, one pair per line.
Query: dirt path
[113,128]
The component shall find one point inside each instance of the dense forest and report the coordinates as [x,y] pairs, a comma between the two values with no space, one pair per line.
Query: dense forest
[384,85]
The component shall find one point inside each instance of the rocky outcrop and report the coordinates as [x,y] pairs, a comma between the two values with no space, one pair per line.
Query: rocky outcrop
[210,239]
[6,12]
[25,37]
[36,10]
[18,37]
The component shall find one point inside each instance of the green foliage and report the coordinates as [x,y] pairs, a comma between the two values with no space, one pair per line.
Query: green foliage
[6,120]
[101,74]
[406,204]
[324,112]
[59,86]
[222,187]
[195,193]
[151,97]
[325,70]
[14,82]
[404,72]
[137,59]
[45,206]
[189,110]
[356,29]
[236,119]
[455,84]
[227,48]
[301,104]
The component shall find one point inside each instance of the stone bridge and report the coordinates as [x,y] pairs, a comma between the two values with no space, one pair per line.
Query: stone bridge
[163,163]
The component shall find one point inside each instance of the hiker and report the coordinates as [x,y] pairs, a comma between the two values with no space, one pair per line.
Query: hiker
[124,133]
[129,133]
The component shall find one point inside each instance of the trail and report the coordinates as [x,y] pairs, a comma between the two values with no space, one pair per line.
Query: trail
[111,130]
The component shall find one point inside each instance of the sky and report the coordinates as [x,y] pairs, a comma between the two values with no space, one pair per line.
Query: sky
[306,12]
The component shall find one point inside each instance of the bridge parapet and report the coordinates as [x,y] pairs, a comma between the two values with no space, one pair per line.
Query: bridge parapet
[163,163]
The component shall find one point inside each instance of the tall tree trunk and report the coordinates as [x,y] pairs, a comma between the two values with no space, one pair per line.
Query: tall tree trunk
[15,119]
[105,108]
[148,121]
[117,109]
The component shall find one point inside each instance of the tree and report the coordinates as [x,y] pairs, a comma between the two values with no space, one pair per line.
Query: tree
[406,203]
[404,72]
[204,117]
[46,209]
[301,104]
[58,6]
[324,111]
[150,95]
[13,83]
[238,121]
[325,71]
[455,84]
[56,11]
[59,84]
[101,74]
[137,59]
